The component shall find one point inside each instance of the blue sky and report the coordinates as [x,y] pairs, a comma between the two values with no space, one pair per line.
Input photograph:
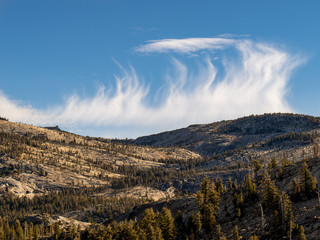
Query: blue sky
[129,68]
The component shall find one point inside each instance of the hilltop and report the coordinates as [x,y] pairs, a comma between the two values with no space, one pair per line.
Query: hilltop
[208,139]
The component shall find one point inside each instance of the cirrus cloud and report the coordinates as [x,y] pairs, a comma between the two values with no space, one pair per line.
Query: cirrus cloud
[254,80]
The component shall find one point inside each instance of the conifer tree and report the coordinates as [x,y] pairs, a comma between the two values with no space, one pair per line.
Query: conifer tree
[256,166]
[287,213]
[166,223]
[270,192]
[249,186]
[127,231]
[301,233]
[149,226]
[18,230]
[209,217]
[240,203]
[236,235]
[274,163]
[36,232]
[157,234]
[308,182]
[230,183]
[31,230]
[219,185]
[219,234]
[285,161]
[208,199]
[276,225]
[194,224]
[57,230]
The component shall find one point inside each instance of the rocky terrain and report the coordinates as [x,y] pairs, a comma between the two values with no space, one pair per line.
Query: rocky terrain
[49,176]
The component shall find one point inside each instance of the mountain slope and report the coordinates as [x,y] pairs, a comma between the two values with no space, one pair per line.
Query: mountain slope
[48,175]
[214,138]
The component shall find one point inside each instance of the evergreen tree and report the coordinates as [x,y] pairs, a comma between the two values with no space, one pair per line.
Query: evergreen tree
[256,166]
[193,225]
[57,230]
[274,163]
[31,231]
[127,231]
[198,223]
[166,223]
[18,230]
[219,234]
[208,193]
[295,188]
[307,181]
[301,233]
[36,232]
[220,186]
[209,217]
[181,228]
[240,204]
[285,161]
[236,235]
[270,192]
[276,225]
[249,187]
[208,199]
[287,213]
[149,226]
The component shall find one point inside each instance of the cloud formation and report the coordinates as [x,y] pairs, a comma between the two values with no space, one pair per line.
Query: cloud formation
[185,45]
[253,80]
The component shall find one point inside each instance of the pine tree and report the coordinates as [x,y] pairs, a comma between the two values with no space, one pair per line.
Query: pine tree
[295,188]
[198,223]
[18,230]
[249,187]
[166,223]
[208,199]
[285,161]
[276,225]
[287,213]
[301,233]
[240,204]
[230,183]
[274,163]
[31,231]
[209,217]
[36,232]
[308,182]
[149,226]
[208,193]
[194,225]
[219,234]
[270,192]
[256,166]
[127,231]
[57,230]
[220,186]
[236,235]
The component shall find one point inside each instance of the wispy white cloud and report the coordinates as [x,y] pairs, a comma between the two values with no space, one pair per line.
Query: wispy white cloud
[253,82]
[187,45]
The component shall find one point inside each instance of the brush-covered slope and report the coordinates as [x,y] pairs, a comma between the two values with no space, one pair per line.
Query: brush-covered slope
[34,160]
